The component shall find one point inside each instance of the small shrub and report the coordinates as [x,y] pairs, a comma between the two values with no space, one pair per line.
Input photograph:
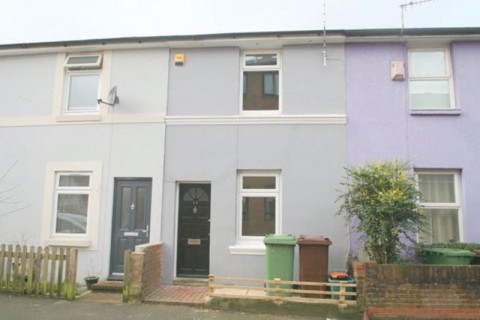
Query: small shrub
[380,200]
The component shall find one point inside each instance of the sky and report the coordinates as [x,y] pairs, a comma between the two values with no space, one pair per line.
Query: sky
[28,21]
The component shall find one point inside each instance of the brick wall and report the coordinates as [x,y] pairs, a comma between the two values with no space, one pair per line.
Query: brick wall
[143,269]
[417,286]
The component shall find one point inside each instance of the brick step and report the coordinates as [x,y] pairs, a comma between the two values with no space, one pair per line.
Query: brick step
[108,286]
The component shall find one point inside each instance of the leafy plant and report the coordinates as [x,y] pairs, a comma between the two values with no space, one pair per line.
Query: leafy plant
[380,200]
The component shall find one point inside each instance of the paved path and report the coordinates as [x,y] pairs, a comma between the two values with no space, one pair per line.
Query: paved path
[28,308]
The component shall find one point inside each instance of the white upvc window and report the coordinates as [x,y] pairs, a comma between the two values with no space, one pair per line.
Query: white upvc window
[261,82]
[258,210]
[440,201]
[72,204]
[72,192]
[430,79]
[82,83]
[83,61]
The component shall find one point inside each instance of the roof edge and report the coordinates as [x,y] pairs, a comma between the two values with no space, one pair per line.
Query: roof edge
[351,33]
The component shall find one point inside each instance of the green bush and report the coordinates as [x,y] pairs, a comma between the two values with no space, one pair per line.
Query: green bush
[380,201]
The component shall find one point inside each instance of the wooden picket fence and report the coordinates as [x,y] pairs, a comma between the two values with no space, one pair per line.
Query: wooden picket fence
[50,271]
[340,293]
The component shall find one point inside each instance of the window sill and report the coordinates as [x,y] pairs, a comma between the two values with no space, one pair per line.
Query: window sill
[79,117]
[436,112]
[248,249]
[64,242]
[260,113]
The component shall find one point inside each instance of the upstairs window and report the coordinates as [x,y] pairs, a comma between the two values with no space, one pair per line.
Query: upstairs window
[430,81]
[82,83]
[261,81]
[441,204]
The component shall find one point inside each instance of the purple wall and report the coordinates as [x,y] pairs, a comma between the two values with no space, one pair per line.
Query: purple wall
[380,125]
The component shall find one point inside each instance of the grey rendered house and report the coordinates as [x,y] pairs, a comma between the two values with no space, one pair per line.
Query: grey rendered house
[255,145]
[77,172]
[216,141]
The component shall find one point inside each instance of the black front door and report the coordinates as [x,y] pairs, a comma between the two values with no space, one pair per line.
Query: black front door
[193,254]
[131,220]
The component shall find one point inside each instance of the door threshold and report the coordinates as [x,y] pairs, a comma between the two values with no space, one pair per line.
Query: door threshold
[115,277]
[190,282]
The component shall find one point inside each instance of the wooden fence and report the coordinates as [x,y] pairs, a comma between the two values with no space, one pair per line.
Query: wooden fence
[50,271]
[341,293]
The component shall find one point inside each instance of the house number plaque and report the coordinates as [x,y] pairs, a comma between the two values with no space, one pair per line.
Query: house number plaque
[194,242]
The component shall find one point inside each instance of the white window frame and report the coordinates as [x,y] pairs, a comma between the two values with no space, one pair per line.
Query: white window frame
[457,205]
[272,68]
[49,236]
[254,244]
[448,76]
[82,110]
[80,190]
[95,65]
[62,82]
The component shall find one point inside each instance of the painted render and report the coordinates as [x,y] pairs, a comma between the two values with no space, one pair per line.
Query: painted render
[126,141]
[381,126]
[200,147]
[185,125]
[188,117]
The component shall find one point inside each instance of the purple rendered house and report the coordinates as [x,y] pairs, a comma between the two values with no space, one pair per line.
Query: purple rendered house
[416,97]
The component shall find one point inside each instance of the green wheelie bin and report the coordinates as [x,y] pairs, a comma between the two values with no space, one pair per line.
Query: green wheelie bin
[280,252]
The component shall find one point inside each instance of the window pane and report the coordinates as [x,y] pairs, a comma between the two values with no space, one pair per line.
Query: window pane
[74,181]
[442,226]
[258,216]
[437,188]
[83,92]
[255,96]
[82,59]
[433,94]
[259,183]
[261,59]
[140,212]
[427,63]
[126,211]
[72,213]
[270,83]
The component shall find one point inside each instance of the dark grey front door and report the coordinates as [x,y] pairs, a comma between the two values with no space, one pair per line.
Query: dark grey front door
[193,250]
[131,219]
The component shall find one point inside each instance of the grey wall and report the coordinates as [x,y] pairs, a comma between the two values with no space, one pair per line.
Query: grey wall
[26,85]
[208,83]
[141,77]
[309,87]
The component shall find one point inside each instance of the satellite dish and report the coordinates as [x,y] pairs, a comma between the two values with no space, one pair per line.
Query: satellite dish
[112,98]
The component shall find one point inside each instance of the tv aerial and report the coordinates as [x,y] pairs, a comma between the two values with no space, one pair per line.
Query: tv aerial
[410,4]
[112,99]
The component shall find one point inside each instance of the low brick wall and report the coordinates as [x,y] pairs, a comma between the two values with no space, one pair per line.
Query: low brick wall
[143,269]
[417,286]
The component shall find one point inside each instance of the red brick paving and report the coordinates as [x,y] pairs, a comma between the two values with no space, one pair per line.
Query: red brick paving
[178,294]
[164,294]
